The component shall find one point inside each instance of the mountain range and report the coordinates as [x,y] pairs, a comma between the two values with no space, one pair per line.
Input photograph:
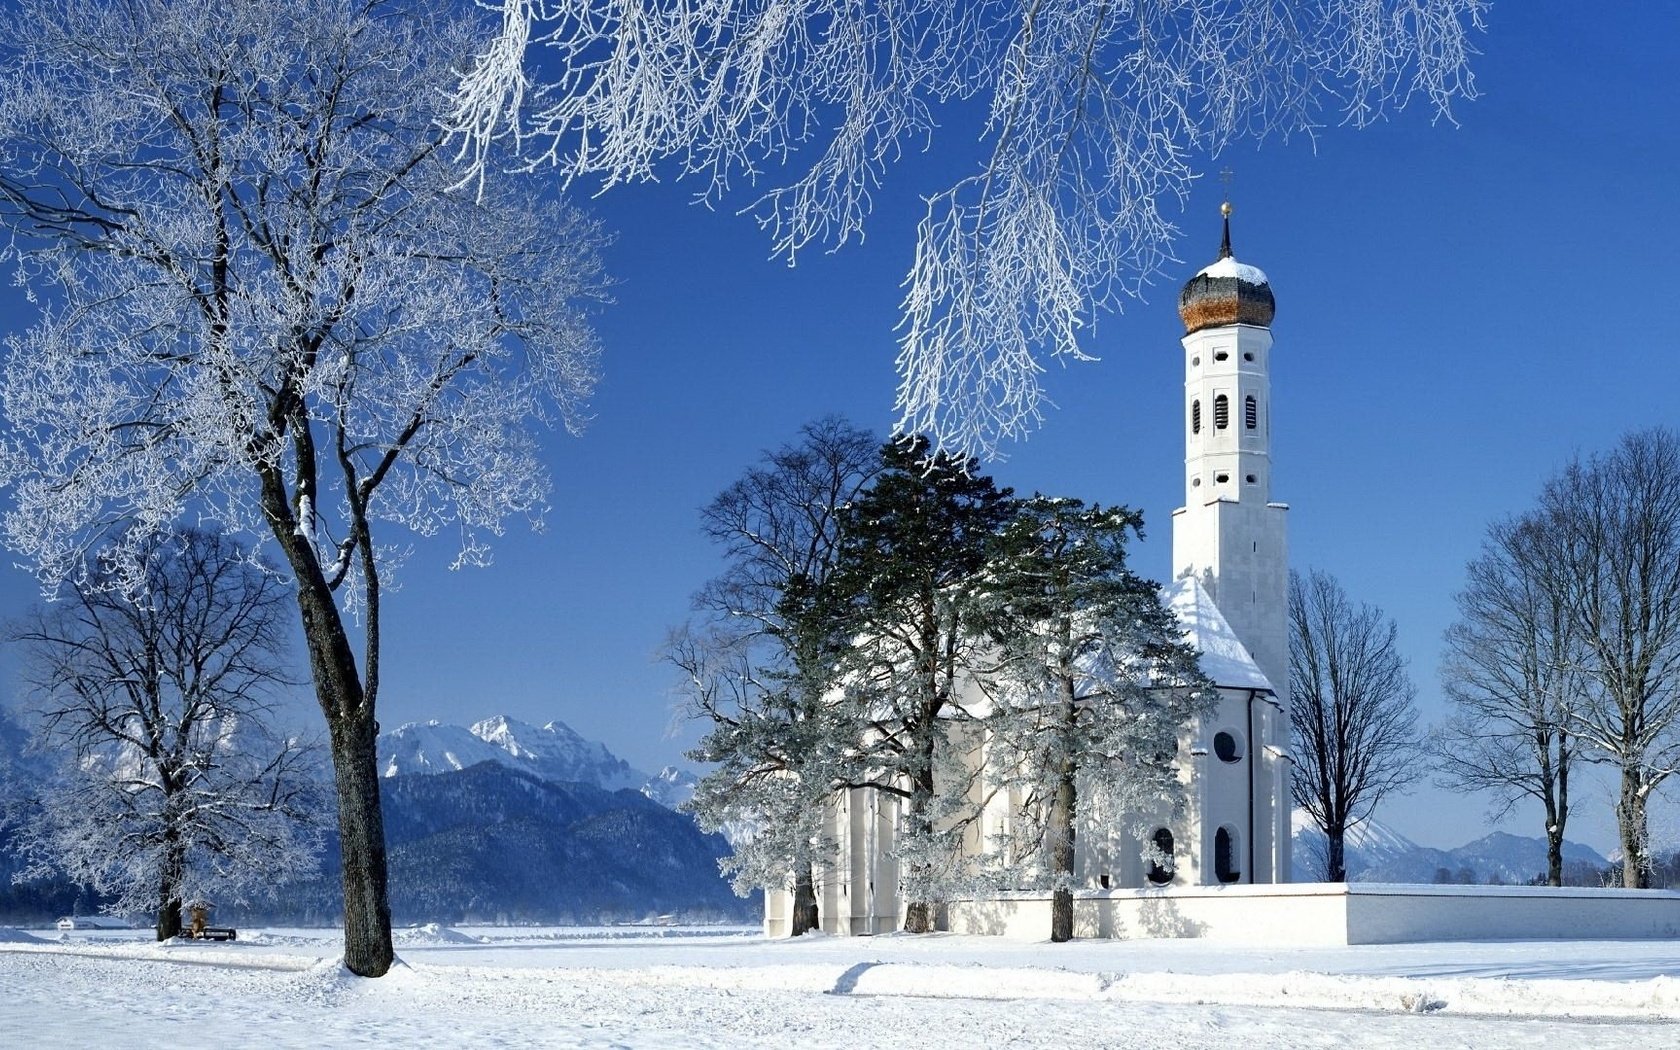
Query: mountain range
[1375,852]
[553,752]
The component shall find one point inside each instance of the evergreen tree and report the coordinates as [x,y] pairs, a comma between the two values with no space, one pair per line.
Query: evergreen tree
[1094,686]
[913,554]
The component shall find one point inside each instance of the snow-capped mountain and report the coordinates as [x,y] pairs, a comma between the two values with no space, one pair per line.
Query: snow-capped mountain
[433,747]
[553,752]
[671,786]
[1376,852]
[557,753]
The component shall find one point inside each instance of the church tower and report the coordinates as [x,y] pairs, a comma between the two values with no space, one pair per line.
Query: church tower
[1231,586]
[1229,535]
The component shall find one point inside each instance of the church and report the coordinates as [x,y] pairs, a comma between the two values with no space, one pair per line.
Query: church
[1230,593]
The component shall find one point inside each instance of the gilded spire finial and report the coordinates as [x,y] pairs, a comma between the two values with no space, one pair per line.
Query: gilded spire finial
[1225,210]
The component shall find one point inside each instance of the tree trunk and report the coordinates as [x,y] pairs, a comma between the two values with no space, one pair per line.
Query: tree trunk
[169,918]
[169,887]
[1060,845]
[1335,854]
[169,915]
[1630,825]
[352,730]
[1554,838]
[918,917]
[1554,797]
[361,827]
[918,914]
[804,899]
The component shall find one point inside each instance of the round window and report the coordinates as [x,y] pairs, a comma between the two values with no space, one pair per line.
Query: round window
[1226,747]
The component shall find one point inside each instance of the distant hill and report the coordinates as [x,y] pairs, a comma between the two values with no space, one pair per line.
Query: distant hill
[1378,853]
[509,822]
[491,843]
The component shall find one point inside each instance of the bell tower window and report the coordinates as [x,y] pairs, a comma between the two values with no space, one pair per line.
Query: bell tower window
[1251,412]
[1221,412]
[1196,416]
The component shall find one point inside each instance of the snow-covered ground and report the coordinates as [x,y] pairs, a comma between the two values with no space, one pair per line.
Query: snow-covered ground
[654,987]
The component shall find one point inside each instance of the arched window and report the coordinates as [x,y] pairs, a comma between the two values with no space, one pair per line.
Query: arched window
[1225,856]
[1196,416]
[1221,412]
[1161,874]
[1251,412]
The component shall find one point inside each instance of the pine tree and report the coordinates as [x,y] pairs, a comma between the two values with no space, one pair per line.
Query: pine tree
[913,554]
[1093,686]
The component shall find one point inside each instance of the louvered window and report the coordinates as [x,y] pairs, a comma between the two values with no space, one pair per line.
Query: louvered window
[1195,417]
[1221,412]
[1251,412]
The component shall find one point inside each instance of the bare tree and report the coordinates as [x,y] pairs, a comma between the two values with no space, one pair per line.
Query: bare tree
[1514,672]
[1617,516]
[760,667]
[176,786]
[1350,706]
[269,306]
[1098,114]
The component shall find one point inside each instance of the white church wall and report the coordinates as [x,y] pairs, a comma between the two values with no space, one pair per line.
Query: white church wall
[1326,914]
[1390,914]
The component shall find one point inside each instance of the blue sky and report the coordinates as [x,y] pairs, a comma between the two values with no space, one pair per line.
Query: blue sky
[1459,311]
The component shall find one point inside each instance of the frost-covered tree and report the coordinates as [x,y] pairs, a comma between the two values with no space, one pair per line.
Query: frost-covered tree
[1617,518]
[159,691]
[1097,116]
[267,302]
[760,665]
[1093,686]
[1514,671]
[914,549]
[1350,709]
[774,765]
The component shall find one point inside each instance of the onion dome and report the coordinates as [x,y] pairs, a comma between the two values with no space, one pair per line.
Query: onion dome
[1226,291]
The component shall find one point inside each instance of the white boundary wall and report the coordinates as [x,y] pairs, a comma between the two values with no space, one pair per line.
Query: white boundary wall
[1335,914]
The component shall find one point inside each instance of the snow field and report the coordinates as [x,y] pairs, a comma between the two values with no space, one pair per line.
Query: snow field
[656,988]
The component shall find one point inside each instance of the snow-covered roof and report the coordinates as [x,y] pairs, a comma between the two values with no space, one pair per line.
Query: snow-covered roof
[1230,267]
[1224,658]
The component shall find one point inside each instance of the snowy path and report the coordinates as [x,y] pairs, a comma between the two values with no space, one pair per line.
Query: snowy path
[520,989]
